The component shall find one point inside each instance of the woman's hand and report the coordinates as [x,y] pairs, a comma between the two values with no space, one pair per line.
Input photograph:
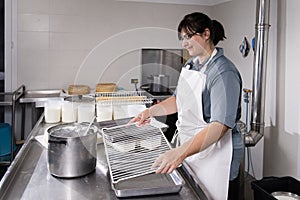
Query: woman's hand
[169,161]
[143,118]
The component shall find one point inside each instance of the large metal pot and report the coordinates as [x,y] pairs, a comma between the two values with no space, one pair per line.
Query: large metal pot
[72,149]
[160,83]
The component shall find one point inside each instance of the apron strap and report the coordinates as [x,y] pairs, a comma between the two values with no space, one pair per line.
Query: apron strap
[175,139]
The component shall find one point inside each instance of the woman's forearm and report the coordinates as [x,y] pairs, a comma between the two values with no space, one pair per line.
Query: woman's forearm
[165,107]
[209,135]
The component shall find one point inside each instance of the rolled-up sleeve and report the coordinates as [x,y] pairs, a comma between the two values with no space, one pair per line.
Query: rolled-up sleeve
[225,92]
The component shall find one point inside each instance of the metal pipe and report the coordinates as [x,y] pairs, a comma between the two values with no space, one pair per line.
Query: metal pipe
[259,72]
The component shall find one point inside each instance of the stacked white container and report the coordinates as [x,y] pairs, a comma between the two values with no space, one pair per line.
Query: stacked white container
[53,111]
[119,105]
[69,111]
[86,111]
[104,112]
[83,106]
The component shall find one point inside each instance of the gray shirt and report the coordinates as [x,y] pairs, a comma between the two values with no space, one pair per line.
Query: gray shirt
[222,99]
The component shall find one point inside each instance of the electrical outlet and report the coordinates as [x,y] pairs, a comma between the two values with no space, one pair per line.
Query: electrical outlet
[134,80]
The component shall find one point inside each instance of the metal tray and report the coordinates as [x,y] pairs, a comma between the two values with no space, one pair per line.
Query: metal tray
[39,95]
[135,177]
[285,195]
[151,184]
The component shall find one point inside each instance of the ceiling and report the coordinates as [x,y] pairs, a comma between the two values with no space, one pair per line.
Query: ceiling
[185,2]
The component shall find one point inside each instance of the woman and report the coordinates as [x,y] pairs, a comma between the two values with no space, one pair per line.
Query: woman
[207,100]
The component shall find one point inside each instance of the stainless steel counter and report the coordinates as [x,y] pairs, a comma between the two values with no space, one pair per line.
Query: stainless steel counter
[28,177]
[38,97]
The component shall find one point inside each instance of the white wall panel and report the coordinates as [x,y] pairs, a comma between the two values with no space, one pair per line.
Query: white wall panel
[33,22]
[33,40]
[34,6]
[85,38]
[292,80]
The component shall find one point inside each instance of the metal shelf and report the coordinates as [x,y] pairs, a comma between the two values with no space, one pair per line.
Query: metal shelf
[123,98]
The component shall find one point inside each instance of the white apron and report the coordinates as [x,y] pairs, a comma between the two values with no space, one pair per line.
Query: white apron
[211,166]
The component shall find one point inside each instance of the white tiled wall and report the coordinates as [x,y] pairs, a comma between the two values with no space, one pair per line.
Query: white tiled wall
[34,6]
[62,42]
[33,22]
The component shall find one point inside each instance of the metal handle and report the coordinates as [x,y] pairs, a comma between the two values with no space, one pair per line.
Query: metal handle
[58,141]
[18,92]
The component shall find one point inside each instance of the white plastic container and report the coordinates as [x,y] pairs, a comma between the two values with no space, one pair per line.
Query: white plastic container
[151,143]
[134,110]
[120,111]
[69,111]
[85,107]
[53,111]
[86,112]
[104,112]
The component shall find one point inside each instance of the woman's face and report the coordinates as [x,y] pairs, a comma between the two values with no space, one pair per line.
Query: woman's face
[195,44]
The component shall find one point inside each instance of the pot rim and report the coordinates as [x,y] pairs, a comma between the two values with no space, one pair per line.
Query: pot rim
[52,130]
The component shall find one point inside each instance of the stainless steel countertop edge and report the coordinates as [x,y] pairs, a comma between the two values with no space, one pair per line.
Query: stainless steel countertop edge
[8,176]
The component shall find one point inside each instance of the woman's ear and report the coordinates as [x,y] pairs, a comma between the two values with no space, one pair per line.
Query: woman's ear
[206,33]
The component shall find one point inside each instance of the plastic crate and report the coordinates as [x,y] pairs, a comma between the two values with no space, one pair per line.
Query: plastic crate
[263,188]
[5,140]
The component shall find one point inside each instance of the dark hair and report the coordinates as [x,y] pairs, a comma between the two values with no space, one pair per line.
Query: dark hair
[197,22]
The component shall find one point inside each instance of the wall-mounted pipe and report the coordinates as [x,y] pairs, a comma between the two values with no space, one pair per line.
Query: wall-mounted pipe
[259,73]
